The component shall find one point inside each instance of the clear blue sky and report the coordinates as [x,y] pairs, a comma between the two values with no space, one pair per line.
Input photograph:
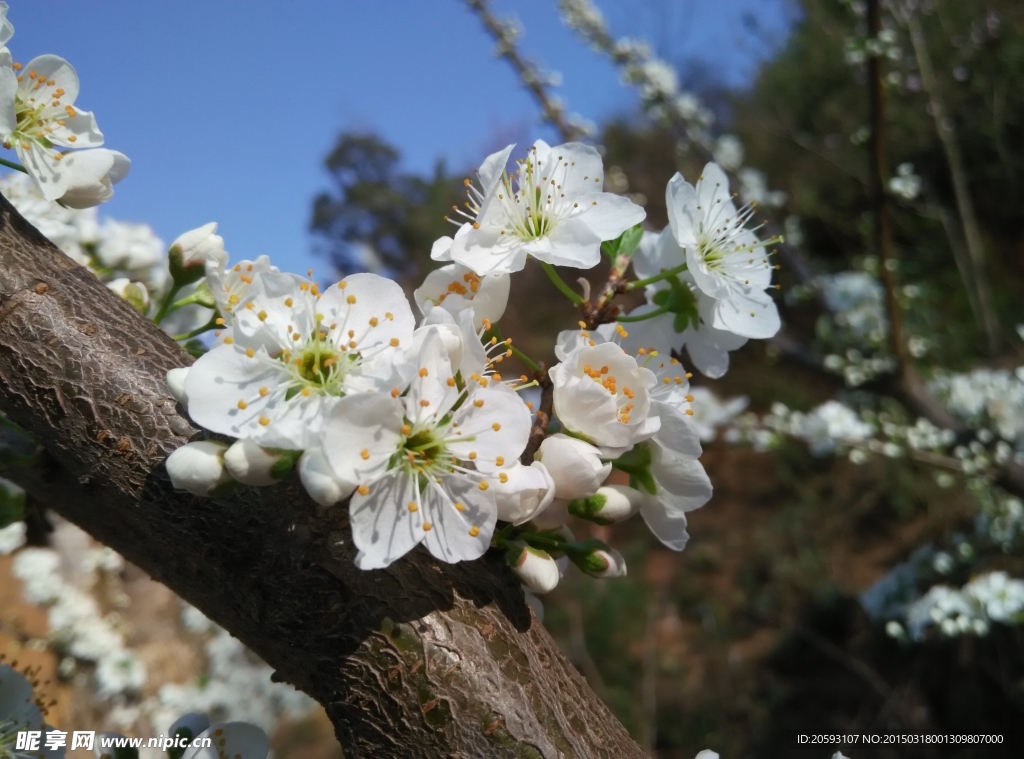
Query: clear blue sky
[227,108]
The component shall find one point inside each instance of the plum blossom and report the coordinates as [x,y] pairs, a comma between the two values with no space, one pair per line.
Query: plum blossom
[426,461]
[602,394]
[725,259]
[37,115]
[552,208]
[292,353]
[455,288]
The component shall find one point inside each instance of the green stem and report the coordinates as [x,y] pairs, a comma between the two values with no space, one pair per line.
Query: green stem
[668,273]
[534,366]
[644,317]
[567,291]
[12,165]
[166,304]
[212,324]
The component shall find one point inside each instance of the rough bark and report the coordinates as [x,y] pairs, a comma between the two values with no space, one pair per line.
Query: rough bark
[421,659]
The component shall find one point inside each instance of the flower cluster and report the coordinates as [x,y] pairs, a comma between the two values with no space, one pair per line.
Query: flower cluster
[407,417]
[38,118]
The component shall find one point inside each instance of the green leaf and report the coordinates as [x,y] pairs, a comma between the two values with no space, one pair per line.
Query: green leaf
[625,244]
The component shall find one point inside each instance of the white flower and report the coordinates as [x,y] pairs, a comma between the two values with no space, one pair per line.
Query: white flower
[199,468]
[525,493]
[292,353]
[725,259]
[1000,596]
[91,176]
[119,671]
[574,465]
[552,209]
[710,413]
[12,537]
[38,570]
[128,246]
[729,152]
[425,461]
[232,287]
[37,113]
[707,754]
[602,394]
[456,288]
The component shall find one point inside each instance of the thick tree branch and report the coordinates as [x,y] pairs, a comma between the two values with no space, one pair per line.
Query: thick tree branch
[421,659]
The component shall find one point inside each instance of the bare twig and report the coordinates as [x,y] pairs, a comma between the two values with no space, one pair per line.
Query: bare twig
[946,131]
[527,72]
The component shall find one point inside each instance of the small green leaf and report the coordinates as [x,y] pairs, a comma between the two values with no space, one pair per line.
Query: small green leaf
[625,244]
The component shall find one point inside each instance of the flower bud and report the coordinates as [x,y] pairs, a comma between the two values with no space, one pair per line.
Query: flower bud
[526,492]
[707,754]
[320,481]
[134,292]
[176,384]
[611,503]
[575,466]
[597,559]
[534,568]
[199,468]
[251,464]
[189,253]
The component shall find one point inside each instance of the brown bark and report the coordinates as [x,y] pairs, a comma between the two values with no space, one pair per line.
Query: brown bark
[421,659]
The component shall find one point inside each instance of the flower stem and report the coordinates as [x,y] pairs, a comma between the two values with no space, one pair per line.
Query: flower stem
[166,305]
[644,317]
[12,165]
[656,278]
[567,291]
[533,365]
[212,324]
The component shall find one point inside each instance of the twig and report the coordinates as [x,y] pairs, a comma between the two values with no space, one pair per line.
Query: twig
[958,174]
[527,72]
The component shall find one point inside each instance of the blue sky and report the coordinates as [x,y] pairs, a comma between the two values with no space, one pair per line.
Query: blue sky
[227,108]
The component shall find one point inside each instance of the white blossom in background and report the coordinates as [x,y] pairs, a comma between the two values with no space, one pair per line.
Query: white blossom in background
[552,208]
[728,152]
[710,413]
[856,301]
[986,398]
[906,184]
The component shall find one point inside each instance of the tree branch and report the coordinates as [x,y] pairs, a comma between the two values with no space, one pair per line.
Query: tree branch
[421,659]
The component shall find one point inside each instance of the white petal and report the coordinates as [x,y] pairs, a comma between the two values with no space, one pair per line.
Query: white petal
[361,436]
[612,215]
[747,312]
[572,243]
[459,535]
[667,524]
[320,481]
[681,201]
[383,527]
[500,425]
